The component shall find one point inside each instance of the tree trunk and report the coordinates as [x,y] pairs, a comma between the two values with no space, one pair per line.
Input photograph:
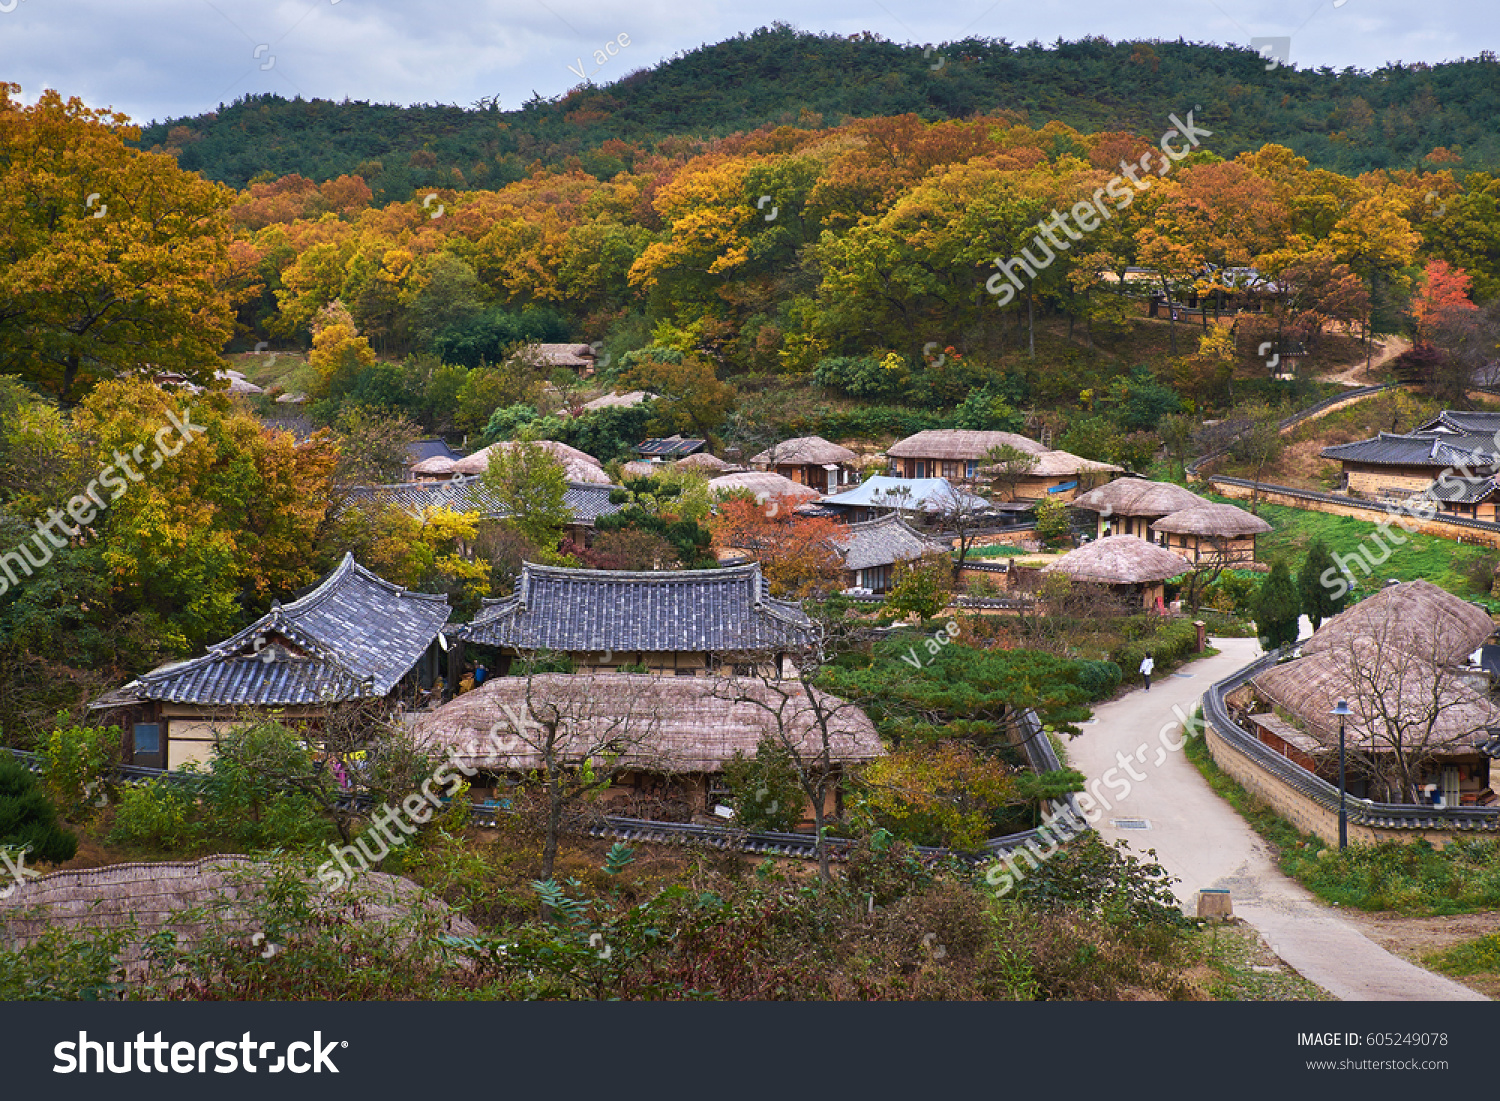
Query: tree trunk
[554,827]
[825,873]
[1031,324]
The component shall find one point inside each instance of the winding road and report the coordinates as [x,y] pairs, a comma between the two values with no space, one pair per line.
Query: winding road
[1203,842]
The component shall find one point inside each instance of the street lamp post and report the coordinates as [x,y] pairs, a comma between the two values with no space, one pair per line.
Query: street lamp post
[1343,712]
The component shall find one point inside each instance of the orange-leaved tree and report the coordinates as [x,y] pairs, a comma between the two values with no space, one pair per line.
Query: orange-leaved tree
[797,553]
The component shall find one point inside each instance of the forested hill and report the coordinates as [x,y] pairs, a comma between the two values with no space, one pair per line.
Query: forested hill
[1348,121]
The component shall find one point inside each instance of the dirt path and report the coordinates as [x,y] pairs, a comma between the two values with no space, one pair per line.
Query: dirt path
[1356,375]
[1202,842]
[1411,938]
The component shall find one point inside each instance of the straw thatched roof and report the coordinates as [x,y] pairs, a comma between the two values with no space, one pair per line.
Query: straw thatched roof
[438,464]
[959,443]
[1120,560]
[579,466]
[562,355]
[1217,521]
[1061,464]
[1379,687]
[763,482]
[640,468]
[617,399]
[660,724]
[704,461]
[805,450]
[1138,497]
[1416,617]
[190,898]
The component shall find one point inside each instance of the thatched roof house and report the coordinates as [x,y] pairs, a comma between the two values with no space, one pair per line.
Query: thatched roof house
[1222,534]
[1441,718]
[431,457]
[711,463]
[811,461]
[576,357]
[682,728]
[1060,475]
[355,636]
[1125,562]
[672,621]
[437,468]
[586,500]
[1128,506]
[618,400]
[952,453]
[763,484]
[579,466]
[193,898]
[803,449]
[667,724]
[1416,617]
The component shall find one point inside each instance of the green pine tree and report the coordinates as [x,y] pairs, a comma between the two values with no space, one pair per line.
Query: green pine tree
[1277,609]
[27,818]
[1320,601]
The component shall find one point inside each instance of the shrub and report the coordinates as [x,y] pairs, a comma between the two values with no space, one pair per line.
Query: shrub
[76,762]
[1100,678]
[155,814]
[766,793]
[27,820]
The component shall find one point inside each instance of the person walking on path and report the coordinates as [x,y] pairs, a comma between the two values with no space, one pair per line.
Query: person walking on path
[1147,668]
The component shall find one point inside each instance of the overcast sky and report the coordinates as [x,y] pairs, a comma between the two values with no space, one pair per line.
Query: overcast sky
[155,59]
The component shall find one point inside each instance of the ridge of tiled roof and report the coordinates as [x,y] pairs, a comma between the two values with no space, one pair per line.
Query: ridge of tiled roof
[359,634]
[561,608]
[882,542]
[1418,449]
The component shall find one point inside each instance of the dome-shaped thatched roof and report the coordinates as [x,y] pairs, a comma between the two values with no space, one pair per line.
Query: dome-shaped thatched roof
[704,461]
[194,898]
[763,481]
[1212,520]
[804,450]
[1374,683]
[1120,560]
[1138,497]
[437,464]
[661,724]
[1416,617]
[580,466]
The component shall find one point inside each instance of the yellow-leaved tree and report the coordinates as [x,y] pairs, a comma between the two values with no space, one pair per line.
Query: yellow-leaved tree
[111,260]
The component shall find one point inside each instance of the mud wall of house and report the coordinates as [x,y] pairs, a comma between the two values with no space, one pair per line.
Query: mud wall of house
[1306,814]
[1380,482]
[1426,527]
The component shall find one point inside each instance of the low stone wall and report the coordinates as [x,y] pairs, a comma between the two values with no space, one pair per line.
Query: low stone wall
[1306,814]
[1373,514]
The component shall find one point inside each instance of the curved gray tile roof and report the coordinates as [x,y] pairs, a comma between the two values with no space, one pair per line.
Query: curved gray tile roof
[1419,449]
[704,611]
[884,542]
[355,635]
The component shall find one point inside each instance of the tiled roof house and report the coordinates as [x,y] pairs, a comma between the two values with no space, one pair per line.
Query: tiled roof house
[679,622]
[355,636]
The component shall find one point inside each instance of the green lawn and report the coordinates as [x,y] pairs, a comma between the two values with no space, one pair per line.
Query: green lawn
[1425,557]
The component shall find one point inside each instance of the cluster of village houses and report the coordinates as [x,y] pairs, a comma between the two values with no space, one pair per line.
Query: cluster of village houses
[358,637]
